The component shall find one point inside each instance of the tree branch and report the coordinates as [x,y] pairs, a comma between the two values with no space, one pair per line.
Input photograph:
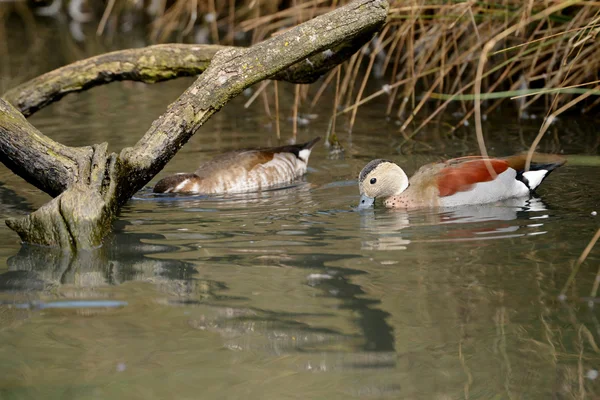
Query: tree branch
[151,64]
[51,166]
[233,70]
[46,164]
[91,184]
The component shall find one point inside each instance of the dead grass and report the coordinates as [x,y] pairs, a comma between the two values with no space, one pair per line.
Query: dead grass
[469,57]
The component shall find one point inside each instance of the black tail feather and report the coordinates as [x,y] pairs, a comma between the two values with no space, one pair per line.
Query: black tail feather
[294,148]
[548,167]
[310,145]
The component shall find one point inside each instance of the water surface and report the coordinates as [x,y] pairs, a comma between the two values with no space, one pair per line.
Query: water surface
[290,293]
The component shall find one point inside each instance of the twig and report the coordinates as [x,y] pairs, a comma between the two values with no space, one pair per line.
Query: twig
[277,111]
[578,263]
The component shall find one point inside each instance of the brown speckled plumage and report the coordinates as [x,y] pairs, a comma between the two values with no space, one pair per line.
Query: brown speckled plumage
[242,171]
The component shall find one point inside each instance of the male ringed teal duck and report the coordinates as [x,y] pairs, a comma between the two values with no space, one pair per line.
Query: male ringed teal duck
[459,181]
[242,171]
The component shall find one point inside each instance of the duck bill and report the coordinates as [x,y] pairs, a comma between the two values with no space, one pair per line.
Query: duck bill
[365,202]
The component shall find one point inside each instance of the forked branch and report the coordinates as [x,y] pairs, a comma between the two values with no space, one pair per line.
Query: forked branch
[90,183]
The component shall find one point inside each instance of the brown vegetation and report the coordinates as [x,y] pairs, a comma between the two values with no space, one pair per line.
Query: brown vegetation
[442,53]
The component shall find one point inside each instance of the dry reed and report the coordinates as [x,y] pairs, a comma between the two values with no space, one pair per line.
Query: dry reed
[432,59]
[468,55]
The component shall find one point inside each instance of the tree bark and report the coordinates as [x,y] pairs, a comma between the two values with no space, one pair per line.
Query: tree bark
[153,64]
[46,164]
[89,183]
[149,64]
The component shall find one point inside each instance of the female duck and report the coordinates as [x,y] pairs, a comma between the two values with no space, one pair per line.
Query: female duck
[242,171]
[460,181]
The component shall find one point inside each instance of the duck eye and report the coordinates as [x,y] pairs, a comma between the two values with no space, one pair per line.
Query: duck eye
[373,181]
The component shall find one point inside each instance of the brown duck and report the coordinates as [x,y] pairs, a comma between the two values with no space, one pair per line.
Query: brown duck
[455,182]
[242,171]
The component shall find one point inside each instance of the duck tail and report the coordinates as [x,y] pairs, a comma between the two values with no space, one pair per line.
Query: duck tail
[311,144]
[541,166]
[306,148]
[302,151]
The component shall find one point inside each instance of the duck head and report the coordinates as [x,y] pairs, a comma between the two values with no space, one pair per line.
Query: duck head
[380,178]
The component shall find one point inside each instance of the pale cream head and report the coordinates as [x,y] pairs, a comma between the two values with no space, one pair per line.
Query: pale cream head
[380,178]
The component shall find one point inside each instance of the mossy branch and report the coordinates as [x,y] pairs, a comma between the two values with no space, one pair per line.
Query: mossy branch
[149,64]
[90,183]
[233,70]
[152,64]
[46,164]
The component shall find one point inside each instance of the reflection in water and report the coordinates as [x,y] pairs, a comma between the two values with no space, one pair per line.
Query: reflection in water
[11,203]
[486,222]
[386,229]
[69,304]
[127,257]
[290,293]
[292,281]
[39,268]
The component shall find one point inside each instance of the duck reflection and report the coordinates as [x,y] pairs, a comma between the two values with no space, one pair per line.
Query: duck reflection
[382,230]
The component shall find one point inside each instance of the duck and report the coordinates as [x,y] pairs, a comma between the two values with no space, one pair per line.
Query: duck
[244,170]
[460,181]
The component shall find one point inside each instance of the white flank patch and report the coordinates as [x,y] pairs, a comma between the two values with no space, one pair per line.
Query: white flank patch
[505,186]
[304,154]
[181,185]
[535,177]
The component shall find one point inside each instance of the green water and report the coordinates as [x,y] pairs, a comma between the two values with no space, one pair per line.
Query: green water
[291,293]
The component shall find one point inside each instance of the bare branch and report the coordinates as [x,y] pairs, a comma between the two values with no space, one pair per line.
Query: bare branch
[46,164]
[233,70]
[149,64]
[152,64]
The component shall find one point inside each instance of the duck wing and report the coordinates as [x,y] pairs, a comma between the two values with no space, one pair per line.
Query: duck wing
[250,158]
[246,159]
[460,174]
